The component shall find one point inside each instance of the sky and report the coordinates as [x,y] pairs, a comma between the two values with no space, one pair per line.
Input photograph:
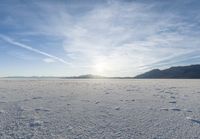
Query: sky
[103,37]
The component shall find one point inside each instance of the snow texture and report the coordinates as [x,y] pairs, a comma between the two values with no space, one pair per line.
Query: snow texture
[99,109]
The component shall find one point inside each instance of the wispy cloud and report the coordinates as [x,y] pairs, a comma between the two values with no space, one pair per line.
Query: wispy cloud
[49,60]
[18,44]
[126,37]
[129,35]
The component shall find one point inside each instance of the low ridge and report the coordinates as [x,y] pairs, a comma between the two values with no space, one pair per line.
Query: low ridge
[180,72]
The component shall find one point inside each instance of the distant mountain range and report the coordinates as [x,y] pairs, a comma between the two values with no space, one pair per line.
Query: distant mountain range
[180,72]
[87,76]
[91,76]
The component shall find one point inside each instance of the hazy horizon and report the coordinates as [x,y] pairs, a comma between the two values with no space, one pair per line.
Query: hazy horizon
[108,37]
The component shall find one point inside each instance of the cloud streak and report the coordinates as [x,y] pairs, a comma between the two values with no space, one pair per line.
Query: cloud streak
[18,44]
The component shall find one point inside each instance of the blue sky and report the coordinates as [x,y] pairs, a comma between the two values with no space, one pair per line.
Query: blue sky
[105,37]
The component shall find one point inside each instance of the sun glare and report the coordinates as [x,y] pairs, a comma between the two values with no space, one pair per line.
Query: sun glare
[100,67]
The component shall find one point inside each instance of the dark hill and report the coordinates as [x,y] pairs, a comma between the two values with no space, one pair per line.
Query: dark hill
[181,72]
[87,76]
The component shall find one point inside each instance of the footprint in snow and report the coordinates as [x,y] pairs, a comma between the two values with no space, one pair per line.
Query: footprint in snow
[161,91]
[42,110]
[193,120]
[175,109]
[129,90]
[35,123]
[165,109]
[85,100]
[117,108]
[172,87]
[25,100]
[187,110]
[127,100]
[37,98]
[167,92]
[172,102]
[97,102]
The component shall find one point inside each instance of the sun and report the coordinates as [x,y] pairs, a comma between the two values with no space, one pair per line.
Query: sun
[100,67]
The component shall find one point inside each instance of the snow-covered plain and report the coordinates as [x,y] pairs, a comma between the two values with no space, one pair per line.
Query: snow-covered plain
[99,109]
